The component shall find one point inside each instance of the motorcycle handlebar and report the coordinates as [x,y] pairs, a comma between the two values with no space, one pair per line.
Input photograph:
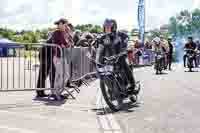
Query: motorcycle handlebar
[108,59]
[115,57]
[189,49]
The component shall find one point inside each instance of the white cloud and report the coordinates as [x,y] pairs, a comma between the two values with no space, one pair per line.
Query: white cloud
[196,4]
[159,12]
[30,14]
[125,12]
[42,13]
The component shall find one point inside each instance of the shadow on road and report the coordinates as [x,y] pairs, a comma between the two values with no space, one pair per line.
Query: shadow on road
[17,105]
[191,71]
[161,74]
[37,102]
[127,108]
[103,111]
[50,102]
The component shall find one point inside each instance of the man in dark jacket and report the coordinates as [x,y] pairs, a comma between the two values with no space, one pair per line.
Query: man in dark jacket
[114,42]
[61,38]
[170,55]
[190,45]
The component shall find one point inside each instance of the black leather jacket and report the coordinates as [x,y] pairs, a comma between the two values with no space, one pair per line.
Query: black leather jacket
[111,44]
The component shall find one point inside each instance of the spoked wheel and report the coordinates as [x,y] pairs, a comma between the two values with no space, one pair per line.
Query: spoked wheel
[190,65]
[157,66]
[133,99]
[111,93]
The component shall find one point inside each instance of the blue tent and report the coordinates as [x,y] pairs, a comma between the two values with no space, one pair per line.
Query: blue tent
[6,44]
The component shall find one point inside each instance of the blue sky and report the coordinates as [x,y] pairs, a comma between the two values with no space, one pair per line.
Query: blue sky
[29,14]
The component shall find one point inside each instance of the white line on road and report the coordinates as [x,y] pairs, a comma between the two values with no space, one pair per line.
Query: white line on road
[107,121]
[15,130]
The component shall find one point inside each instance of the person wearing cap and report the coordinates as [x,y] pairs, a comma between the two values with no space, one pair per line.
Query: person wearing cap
[170,55]
[62,37]
[190,45]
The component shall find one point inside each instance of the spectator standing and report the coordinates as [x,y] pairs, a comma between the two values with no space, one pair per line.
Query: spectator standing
[170,55]
[138,52]
[60,37]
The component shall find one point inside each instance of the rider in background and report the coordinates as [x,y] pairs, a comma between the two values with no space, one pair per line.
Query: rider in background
[113,42]
[190,45]
[157,47]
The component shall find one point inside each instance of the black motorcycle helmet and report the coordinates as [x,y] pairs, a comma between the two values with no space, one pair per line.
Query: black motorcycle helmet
[112,23]
[190,37]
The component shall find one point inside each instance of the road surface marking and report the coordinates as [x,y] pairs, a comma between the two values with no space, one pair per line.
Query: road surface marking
[16,130]
[107,121]
[39,117]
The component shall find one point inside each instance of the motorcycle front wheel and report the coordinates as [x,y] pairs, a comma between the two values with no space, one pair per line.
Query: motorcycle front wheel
[190,64]
[110,91]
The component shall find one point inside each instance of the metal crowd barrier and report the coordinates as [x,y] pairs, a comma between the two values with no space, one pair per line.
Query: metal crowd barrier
[145,59]
[81,64]
[148,57]
[20,71]
[20,68]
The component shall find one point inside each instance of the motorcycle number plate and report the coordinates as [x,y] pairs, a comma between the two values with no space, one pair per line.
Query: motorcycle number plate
[101,70]
[109,68]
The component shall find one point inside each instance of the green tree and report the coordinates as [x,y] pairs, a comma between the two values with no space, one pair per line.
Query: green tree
[43,34]
[89,28]
[154,33]
[96,29]
[17,38]
[196,19]
[185,23]
[173,25]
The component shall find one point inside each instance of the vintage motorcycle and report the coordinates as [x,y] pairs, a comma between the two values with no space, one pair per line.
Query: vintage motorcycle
[190,54]
[113,82]
[159,62]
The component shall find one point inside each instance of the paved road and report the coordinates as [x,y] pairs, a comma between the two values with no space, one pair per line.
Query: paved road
[21,113]
[167,104]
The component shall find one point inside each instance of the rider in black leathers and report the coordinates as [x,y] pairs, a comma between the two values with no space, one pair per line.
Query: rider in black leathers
[190,45]
[112,43]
